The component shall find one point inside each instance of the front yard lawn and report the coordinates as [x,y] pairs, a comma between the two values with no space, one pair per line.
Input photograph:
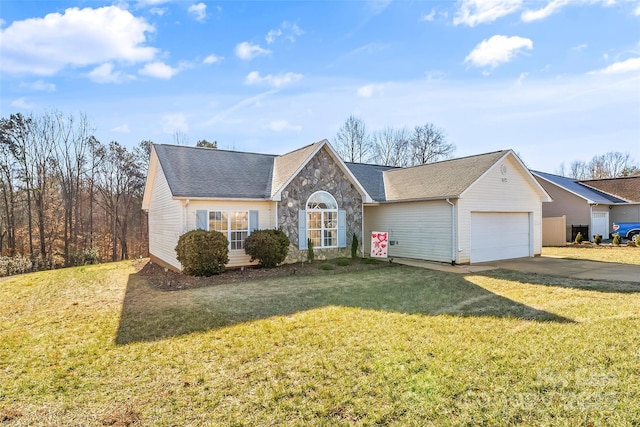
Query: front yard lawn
[99,345]
[604,253]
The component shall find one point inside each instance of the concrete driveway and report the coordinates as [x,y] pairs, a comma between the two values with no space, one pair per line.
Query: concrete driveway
[563,267]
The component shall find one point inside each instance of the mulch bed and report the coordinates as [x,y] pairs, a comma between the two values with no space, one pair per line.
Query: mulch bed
[167,280]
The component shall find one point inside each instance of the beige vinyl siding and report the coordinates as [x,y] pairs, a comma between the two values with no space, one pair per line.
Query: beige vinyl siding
[498,192]
[166,221]
[266,217]
[422,230]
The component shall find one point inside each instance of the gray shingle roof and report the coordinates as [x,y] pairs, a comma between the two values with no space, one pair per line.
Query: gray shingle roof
[371,178]
[570,184]
[627,188]
[449,178]
[210,173]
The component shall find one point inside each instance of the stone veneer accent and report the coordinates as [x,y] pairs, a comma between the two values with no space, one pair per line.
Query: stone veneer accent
[321,173]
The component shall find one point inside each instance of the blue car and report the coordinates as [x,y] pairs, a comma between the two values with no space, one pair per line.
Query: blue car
[627,230]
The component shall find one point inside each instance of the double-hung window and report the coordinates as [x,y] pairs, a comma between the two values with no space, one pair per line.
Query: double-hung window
[322,220]
[234,226]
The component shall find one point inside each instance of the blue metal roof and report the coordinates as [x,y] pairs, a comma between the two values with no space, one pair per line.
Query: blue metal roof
[575,187]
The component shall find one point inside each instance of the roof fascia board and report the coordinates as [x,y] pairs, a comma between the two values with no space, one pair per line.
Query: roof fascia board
[151,177]
[227,199]
[422,199]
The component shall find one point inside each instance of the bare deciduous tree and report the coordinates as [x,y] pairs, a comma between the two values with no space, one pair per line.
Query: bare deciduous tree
[391,147]
[352,142]
[429,144]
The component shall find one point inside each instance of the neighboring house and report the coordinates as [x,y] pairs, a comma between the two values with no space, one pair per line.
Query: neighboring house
[625,188]
[590,204]
[474,209]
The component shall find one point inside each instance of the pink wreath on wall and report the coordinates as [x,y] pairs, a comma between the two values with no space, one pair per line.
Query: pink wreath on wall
[379,243]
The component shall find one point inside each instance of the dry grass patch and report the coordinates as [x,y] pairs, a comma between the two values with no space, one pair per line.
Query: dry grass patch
[397,346]
[604,253]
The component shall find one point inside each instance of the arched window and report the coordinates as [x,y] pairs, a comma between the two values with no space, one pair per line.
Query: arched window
[322,220]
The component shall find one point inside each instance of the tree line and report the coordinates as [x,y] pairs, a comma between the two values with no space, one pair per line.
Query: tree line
[609,165]
[392,146]
[64,194]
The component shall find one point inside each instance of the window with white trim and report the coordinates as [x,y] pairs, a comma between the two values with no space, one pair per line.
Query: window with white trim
[234,226]
[322,220]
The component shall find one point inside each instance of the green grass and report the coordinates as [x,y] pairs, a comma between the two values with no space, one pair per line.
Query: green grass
[97,345]
[604,253]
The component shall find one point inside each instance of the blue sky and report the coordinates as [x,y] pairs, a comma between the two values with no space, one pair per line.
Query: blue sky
[554,80]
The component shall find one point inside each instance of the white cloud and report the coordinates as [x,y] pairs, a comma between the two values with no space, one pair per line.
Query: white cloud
[279,80]
[283,125]
[160,70]
[77,38]
[369,90]
[105,74]
[580,47]
[198,11]
[248,51]
[621,67]
[212,59]
[272,35]
[158,11]
[474,12]
[428,17]
[551,7]
[636,11]
[22,104]
[176,122]
[121,129]
[496,50]
[290,31]
[39,85]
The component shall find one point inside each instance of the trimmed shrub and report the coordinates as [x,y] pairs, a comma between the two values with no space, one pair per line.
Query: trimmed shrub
[269,247]
[597,239]
[327,267]
[579,238]
[617,239]
[14,265]
[342,262]
[354,247]
[310,254]
[632,244]
[203,253]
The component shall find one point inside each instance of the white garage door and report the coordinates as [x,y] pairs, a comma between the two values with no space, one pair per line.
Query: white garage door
[499,235]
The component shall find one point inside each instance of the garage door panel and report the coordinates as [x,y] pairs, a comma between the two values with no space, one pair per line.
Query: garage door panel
[499,235]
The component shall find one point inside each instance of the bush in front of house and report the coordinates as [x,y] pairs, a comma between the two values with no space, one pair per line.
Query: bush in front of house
[269,247]
[14,265]
[579,238]
[310,253]
[597,239]
[354,247]
[203,253]
[617,239]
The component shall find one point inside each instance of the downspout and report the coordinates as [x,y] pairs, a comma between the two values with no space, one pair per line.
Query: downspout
[453,233]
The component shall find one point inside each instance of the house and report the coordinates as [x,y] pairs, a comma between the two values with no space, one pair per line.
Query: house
[450,211]
[590,206]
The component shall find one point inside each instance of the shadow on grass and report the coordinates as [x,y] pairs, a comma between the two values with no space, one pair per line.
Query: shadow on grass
[149,314]
[605,286]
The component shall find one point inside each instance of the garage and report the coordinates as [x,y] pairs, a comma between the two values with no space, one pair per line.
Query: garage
[500,235]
